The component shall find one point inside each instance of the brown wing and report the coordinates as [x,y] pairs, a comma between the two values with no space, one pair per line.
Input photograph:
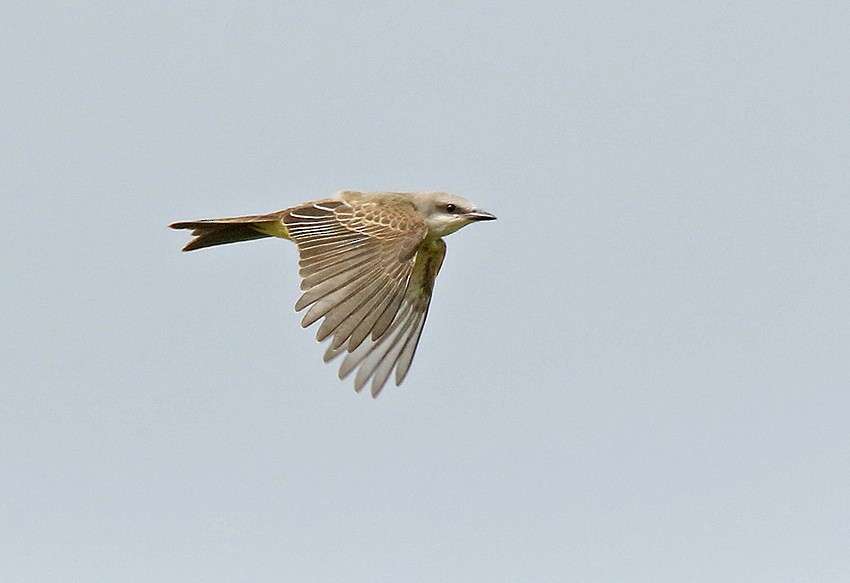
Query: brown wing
[376,358]
[356,262]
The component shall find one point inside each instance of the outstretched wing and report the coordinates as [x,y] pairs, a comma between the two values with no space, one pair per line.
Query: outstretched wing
[376,357]
[359,262]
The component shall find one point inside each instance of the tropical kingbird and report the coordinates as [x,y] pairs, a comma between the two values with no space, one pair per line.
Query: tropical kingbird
[368,264]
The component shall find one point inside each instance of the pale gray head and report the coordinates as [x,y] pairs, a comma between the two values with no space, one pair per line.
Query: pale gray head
[446,213]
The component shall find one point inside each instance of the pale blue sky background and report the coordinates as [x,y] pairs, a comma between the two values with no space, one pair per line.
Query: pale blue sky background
[639,373]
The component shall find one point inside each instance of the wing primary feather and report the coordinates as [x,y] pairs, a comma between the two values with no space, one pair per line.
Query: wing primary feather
[386,318]
[308,267]
[395,290]
[405,358]
[384,368]
[310,279]
[331,285]
[343,308]
[342,319]
[325,303]
[369,350]
[362,315]
[379,362]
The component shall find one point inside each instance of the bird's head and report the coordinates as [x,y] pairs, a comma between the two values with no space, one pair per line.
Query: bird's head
[446,213]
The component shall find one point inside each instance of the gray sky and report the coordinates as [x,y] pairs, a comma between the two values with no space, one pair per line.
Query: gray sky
[639,373]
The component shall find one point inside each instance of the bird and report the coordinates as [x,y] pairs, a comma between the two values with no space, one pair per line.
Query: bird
[368,262]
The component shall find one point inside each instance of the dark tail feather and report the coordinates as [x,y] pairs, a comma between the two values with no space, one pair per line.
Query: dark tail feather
[211,232]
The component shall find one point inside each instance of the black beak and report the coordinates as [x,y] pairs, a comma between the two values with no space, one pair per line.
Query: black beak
[480,216]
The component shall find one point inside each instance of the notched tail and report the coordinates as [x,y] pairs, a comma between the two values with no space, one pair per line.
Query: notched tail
[211,232]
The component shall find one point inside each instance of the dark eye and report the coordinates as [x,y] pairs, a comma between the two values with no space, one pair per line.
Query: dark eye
[450,208]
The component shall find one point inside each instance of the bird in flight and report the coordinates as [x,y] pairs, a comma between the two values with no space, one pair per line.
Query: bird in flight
[368,261]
